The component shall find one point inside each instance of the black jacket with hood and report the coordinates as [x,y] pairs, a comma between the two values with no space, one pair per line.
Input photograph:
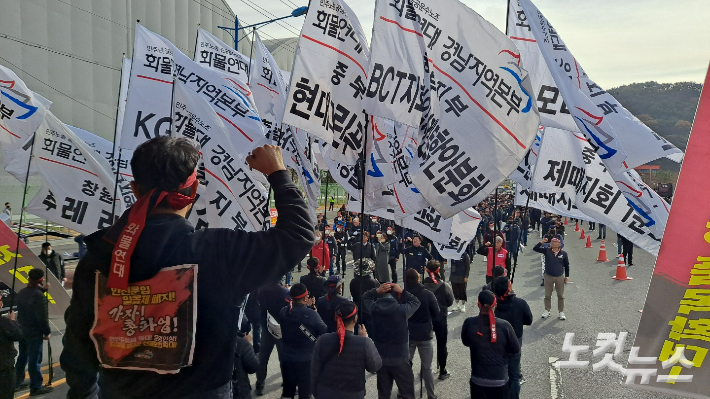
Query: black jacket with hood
[444,297]
[231,264]
[515,311]
[421,323]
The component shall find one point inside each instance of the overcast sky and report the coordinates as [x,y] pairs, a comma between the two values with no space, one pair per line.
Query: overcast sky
[616,41]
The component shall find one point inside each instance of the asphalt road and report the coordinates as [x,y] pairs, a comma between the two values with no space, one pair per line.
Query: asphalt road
[594,303]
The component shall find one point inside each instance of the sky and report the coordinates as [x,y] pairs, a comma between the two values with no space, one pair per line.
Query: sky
[617,42]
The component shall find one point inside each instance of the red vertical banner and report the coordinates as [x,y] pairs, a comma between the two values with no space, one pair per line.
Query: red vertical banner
[674,333]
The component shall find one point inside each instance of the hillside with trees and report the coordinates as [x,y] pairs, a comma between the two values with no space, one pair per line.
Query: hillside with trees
[667,108]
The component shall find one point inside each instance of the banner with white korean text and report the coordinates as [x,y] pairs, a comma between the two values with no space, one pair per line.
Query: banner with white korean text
[78,188]
[328,80]
[672,337]
[556,203]
[621,140]
[477,127]
[229,197]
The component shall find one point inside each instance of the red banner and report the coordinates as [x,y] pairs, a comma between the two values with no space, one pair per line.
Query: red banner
[26,261]
[150,325]
[675,325]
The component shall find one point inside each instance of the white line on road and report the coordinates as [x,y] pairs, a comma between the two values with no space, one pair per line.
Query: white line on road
[555,380]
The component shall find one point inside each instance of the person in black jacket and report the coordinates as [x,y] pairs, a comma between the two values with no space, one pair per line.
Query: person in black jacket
[32,316]
[395,249]
[416,256]
[391,307]
[491,341]
[460,270]
[164,169]
[342,239]
[627,250]
[327,304]
[245,363]
[421,328]
[363,249]
[272,298]
[301,326]
[313,280]
[445,298]
[332,247]
[360,284]
[515,311]
[10,332]
[53,261]
[341,358]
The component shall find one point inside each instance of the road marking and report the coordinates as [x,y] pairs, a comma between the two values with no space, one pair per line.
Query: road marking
[54,385]
[555,380]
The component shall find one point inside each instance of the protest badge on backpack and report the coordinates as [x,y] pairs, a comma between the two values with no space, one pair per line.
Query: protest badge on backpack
[150,325]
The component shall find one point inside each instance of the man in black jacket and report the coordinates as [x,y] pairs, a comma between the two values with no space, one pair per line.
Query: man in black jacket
[390,308]
[272,298]
[32,316]
[444,297]
[313,280]
[363,249]
[515,311]
[301,326]
[10,332]
[53,261]
[416,256]
[421,328]
[327,304]
[164,169]
[491,341]
[245,363]
[342,239]
[394,252]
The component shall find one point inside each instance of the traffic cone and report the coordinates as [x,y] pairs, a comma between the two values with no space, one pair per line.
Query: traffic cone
[589,242]
[576,227]
[565,221]
[582,237]
[621,270]
[602,253]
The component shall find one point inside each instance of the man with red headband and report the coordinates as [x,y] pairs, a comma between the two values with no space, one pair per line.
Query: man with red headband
[341,358]
[150,260]
[491,340]
[444,297]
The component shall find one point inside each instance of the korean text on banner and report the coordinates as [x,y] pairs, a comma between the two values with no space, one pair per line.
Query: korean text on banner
[674,325]
[213,53]
[622,141]
[328,80]
[21,110]
[470,98]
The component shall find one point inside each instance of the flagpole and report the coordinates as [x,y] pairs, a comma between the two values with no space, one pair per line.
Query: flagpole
[19,227]
[362,170]
[115,144]
[325,218]
[251,52]
[49,344]
[520,237]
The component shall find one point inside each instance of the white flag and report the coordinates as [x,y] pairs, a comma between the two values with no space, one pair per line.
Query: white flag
[155,62]
[78,189]
[463,231]
[213,53]
[622,141]
[122,97]
[231,197]
[524,172]
[653,209]
[328,80]
[21,110]
[268,86]
[555,203]
[482,103]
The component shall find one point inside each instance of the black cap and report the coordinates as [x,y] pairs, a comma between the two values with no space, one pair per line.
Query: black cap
[500,285]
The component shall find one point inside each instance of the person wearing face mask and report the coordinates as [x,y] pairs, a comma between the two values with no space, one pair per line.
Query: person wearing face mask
[375,226]
[382,272]
[321,251]
[355,230]
[556,274]
[494,257]
[488,235]
[394,252]
[53,261]
[341,239]
[332,246]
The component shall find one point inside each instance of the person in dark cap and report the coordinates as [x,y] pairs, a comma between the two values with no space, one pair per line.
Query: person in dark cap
[361,283]
[391,307]
[445,298]
[10,332]
[515,311]
[491,341]
[32,316]
[327,304]
[341,358]
[313,280]
[300,326]
[421,330]
[157,236]
[498,271]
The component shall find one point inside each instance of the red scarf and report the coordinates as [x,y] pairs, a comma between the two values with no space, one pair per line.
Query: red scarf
[492,319]
[340,330]
[433,274]
[136,215]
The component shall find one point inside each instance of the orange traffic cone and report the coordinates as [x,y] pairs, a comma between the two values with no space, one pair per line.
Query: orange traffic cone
[565,221]
[589,242]
[621,270]
[582,237]
[576,227]
[602,253]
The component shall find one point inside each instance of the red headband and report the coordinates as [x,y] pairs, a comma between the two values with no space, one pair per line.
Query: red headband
[137,214]
[432,275]
[491,319]
[340,330]
[290,302]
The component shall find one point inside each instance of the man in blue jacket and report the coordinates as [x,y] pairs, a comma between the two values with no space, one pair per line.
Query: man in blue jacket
[394,252]
[165,184]
[301,326]
[556,274]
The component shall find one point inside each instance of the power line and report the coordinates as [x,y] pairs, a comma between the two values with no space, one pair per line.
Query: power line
[55,89]
[253,6]
[94,14]
[51,50]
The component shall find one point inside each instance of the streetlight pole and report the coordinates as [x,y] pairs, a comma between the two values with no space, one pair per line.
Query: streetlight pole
[295,13]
